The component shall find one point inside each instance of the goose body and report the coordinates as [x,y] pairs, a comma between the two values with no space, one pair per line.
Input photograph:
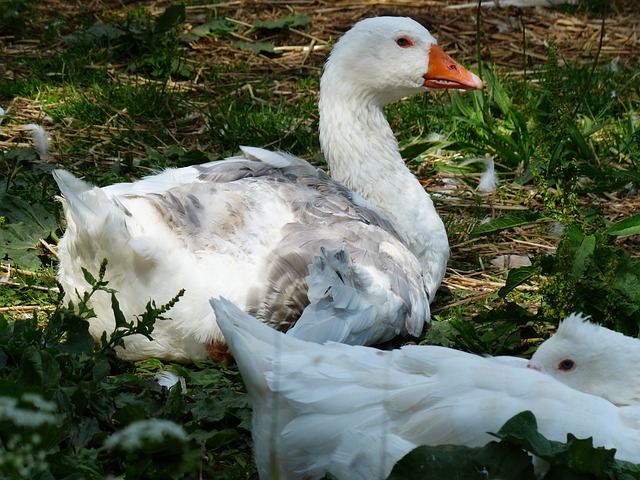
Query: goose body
[354,411]
[592,359]
[249,227]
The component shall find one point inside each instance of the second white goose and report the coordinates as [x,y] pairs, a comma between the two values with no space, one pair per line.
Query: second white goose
[355,411]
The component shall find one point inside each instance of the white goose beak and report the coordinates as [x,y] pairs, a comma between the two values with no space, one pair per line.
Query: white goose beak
[445,72]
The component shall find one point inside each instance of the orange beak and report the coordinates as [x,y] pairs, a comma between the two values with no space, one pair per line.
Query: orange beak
[445,72]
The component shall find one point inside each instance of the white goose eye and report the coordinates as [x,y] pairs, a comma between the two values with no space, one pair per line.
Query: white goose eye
[404,42]
[566,365]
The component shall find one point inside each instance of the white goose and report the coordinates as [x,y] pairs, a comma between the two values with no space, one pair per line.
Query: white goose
[248,228]
[592,359]
[354,411]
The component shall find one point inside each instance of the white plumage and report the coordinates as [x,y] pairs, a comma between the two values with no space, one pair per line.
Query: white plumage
[249,227]
[592,359]
[355,411]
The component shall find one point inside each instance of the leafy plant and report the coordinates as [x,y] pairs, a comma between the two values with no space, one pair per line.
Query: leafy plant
[501,331]
[589,274]
[562,150]
[509,459]
[12,162]
[69,407]
[215,28]
[495,124]
[23,225]
[548,136]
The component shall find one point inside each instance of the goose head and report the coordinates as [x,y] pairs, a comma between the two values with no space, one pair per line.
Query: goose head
[387,58]
[592,359]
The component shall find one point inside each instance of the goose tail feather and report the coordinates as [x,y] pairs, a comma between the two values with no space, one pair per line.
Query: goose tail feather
[81,198]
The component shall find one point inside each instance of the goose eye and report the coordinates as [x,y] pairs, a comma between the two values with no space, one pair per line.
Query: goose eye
[566,365]
[403,42]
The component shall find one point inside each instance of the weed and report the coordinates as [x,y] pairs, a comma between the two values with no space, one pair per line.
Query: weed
[77,410]
[590,274]
[512,457]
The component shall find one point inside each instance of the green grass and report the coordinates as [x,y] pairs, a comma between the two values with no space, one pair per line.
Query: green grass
[117,115]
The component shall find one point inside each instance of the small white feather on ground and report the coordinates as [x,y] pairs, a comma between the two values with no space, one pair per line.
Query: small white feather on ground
[40,138]
[489,178]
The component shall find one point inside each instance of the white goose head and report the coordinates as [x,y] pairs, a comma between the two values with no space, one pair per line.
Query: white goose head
[383,59]
[592,359]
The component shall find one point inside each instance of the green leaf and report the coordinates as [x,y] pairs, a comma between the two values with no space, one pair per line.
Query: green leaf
[78,340]
[171,17]
[493,461]
[39,368]
[215,28]
[222,438]
[497,91]
[517,277]
[129,414]
[586,152]
[416,147]
[52,435]
[504,222]
[257,47]
[469,335]
[99,32]
[498,331]
[522,429]
[206,378]
[439,333]
[82,430]
[208,410]
[88,277]
[81,464]
[175,403]
[24,225]
[19,156]
[503,461]
[626,227]
[583,254]
[100,369]
[576,455]
[296,20]
[121,321]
